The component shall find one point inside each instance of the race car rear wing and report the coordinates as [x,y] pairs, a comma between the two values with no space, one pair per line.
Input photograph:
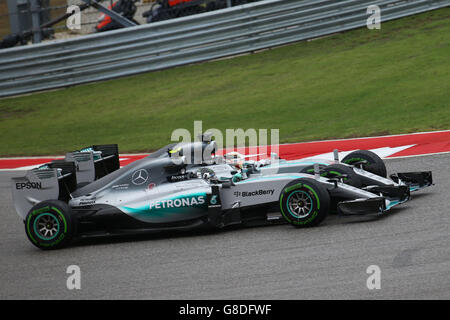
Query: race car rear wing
[59,178]
[84,165]
[55,180]
[95,161]
[109,160]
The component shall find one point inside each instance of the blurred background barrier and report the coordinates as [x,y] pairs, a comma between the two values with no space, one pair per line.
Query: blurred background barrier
[17,16]
[190,38]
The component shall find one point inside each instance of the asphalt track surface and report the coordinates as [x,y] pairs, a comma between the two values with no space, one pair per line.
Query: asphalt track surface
[411,247]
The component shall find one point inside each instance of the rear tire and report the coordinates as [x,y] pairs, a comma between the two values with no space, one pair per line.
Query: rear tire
[50,225]
[304,202]
[374,164]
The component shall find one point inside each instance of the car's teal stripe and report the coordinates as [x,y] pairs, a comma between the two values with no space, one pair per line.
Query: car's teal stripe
[392,204]
[146,208]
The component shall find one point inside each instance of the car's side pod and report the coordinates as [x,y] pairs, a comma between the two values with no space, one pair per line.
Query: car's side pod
[57,180]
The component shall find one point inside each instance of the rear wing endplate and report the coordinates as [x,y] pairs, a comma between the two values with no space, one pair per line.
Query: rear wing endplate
[95,161]
[56,181]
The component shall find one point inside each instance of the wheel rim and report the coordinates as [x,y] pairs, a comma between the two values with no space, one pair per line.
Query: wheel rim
[46,226]
[299,204]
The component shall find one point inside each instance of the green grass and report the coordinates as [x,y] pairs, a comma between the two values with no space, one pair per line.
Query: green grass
[359,83]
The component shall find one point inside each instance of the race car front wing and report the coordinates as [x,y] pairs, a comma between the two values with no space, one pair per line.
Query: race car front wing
[415,180]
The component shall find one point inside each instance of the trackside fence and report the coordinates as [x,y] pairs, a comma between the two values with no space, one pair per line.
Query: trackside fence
[192,39]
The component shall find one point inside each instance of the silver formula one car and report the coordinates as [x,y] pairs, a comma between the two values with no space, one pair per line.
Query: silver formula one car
[87,194]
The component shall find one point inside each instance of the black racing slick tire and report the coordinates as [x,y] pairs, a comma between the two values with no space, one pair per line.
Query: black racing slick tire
[50,225]
[334,170]
[304,202]
[374,163]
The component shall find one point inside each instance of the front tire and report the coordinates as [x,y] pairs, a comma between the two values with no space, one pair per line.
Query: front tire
[337,169]
[304,202]
[374,164]
[50,225]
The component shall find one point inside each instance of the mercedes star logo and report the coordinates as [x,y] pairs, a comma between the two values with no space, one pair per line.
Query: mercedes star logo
[139,177]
